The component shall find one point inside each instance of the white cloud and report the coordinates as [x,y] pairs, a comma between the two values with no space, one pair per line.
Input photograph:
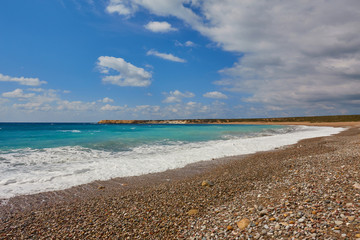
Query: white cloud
[158,7]
[21,80]
[177,96]
[106,100]
[160,27]
[18,93]
[109,107]
[76,106]
[36,89]
[129,75]
[186,44]
[32,106]
[189,44]
[215,94]
[166,56]
[121,8]
[288,47]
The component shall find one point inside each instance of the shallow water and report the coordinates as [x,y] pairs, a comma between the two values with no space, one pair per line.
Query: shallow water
[38,157]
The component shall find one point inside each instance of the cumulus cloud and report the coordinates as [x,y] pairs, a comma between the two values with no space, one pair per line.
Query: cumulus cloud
[166,56]
[163,8]
[294,54]
[177,96]
[75,105]
[186,44]
[215,94]
[121,7]
[21,80]
[128,74]
[189,44]
[109,107]
[18,93]
[106,100]
[160,27]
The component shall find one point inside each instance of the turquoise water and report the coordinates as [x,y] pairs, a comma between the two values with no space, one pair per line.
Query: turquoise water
[38,157]
[116,137]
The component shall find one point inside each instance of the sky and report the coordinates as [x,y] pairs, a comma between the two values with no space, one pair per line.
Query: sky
[87,60]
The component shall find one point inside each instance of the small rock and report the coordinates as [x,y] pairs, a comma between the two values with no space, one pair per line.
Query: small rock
[356,185]
[291,222]
[101,187]
[338,222]
[351,218]
[207,183]
[263,213]
[243,223]
[251,210]
[277,226]
[301,220]
[357,235]
[193,212]
[272,219]
[229,228]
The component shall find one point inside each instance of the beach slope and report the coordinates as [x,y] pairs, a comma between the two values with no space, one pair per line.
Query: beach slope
[307,190]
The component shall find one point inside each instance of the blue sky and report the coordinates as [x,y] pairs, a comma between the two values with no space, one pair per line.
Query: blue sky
[84,60]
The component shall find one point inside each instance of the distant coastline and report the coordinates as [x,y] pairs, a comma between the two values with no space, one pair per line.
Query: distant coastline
[338,120]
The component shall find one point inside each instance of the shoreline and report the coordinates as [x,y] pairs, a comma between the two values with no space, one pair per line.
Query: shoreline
[178,180]
[210,159]
[177,158]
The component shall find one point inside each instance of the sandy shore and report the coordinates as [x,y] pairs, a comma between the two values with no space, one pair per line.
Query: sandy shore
[323,124]
[310,190]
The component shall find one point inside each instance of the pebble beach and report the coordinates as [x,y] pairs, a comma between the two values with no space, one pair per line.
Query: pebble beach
[310,190]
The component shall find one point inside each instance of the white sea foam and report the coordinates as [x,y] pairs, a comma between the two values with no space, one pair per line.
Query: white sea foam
[29,171]
[72,131]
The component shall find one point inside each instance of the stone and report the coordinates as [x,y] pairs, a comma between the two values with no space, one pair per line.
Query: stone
[263,213]
[351,218]
[101,187]
[229,228]
[243,223]
[291,222]
[338,222]
[251,210]
[357,235]
[207,183]
[357,186]
[193,212]
[272,219]
[277,226]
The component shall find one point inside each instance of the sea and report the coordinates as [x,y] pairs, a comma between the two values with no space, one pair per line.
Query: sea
[40,157]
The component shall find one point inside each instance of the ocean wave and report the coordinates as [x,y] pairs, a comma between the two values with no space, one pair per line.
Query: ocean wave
[25,171]
[72,131]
